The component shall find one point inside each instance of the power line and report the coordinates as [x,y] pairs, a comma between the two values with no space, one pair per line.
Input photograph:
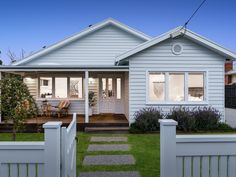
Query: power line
[194,13]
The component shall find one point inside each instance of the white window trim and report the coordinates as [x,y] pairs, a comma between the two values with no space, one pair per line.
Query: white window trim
[53,88]
[185,102]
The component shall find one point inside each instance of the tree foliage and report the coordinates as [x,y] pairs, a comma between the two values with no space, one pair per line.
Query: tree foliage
[17,105]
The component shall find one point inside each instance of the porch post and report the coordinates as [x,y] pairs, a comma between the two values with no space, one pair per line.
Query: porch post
[86,97]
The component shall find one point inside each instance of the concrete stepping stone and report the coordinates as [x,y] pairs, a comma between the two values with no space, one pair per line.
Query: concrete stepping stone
[108,147]
[109,160]
[108,139]
[110,174]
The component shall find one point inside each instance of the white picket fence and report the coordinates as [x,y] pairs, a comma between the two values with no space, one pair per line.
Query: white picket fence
[55,157]
[196,155]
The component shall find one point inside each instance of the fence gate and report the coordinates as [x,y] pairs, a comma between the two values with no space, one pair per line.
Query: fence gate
[68,149]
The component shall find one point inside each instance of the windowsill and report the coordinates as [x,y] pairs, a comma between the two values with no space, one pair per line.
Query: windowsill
[51,99]
[199,103]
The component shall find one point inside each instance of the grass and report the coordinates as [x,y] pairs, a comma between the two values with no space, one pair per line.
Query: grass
[144,147]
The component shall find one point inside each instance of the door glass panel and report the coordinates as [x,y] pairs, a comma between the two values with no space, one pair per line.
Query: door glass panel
[110,92]
[104,87]
[118,88]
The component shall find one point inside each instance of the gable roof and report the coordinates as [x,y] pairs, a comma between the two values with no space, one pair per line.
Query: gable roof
[87,31]
[178,32]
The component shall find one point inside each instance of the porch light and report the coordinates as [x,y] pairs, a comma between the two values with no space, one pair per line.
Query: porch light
[91,80]
[29,79]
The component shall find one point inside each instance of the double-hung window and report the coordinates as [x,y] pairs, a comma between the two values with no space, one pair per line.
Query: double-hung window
[176,87]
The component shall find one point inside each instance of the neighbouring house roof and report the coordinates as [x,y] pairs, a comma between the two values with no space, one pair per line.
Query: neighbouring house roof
[82,34]
[178,32]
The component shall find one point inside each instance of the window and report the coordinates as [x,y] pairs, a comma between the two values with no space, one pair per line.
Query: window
[195,87]
[76,87]
[45,82]
[156,86]
[171,86]
[61,87]
[176,87]
[45,90]
[118,88]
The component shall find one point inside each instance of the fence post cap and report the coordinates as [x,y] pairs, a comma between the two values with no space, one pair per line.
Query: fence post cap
[168,122]
[52,125]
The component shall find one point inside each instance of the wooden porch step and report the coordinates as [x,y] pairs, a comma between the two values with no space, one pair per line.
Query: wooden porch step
[106,129]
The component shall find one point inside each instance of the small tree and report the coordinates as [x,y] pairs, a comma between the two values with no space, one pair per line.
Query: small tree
[17,104]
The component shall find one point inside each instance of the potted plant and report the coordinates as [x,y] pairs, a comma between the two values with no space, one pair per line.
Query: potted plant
[92,102]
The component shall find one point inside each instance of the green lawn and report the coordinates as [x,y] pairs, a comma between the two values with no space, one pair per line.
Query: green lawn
[144,147]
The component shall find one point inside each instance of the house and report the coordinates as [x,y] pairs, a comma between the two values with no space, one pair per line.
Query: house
[127,70]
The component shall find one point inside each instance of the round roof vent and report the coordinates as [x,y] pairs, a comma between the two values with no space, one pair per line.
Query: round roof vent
[177,49]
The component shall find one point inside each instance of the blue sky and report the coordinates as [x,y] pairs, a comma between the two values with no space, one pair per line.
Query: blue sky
[30,24]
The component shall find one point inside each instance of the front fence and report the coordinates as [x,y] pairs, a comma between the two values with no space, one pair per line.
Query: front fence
[196,155]
[230,96]
[41,159]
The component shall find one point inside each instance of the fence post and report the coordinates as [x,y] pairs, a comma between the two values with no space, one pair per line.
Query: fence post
[168,147]
[52,136]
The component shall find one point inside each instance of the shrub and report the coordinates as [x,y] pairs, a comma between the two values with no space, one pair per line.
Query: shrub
[146,120]
[207,118]
[225,127]
[184,117]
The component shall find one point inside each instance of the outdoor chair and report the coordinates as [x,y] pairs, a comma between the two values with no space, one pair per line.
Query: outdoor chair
[61,109]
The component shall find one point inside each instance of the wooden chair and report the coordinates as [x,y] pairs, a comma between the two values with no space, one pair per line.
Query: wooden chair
[61,109]
[46,109]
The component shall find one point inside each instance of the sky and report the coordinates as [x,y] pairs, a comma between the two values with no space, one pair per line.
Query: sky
[31,24]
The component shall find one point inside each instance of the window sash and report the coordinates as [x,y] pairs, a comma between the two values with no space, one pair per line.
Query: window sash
[186,86]
[61,90]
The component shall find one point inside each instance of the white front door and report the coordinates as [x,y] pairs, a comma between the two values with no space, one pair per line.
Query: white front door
[107,95]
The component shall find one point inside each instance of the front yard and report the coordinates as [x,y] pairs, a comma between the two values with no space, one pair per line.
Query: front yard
[144,147]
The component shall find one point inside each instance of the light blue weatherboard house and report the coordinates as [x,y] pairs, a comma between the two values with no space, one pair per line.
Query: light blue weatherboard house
[127,70]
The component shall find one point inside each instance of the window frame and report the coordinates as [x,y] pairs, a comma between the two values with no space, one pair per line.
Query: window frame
[166,99]
[39,87]
[68,88]
[54,90]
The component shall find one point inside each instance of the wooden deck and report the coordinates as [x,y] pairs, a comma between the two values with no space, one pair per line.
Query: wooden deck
[101,120]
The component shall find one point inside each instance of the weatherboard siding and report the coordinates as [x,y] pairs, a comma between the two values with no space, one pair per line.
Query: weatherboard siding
[160,57]
[97,48]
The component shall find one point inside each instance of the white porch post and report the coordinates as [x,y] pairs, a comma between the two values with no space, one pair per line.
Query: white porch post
[86,97]
[168,147]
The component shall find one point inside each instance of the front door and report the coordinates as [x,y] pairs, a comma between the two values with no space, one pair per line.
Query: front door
[107,95]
